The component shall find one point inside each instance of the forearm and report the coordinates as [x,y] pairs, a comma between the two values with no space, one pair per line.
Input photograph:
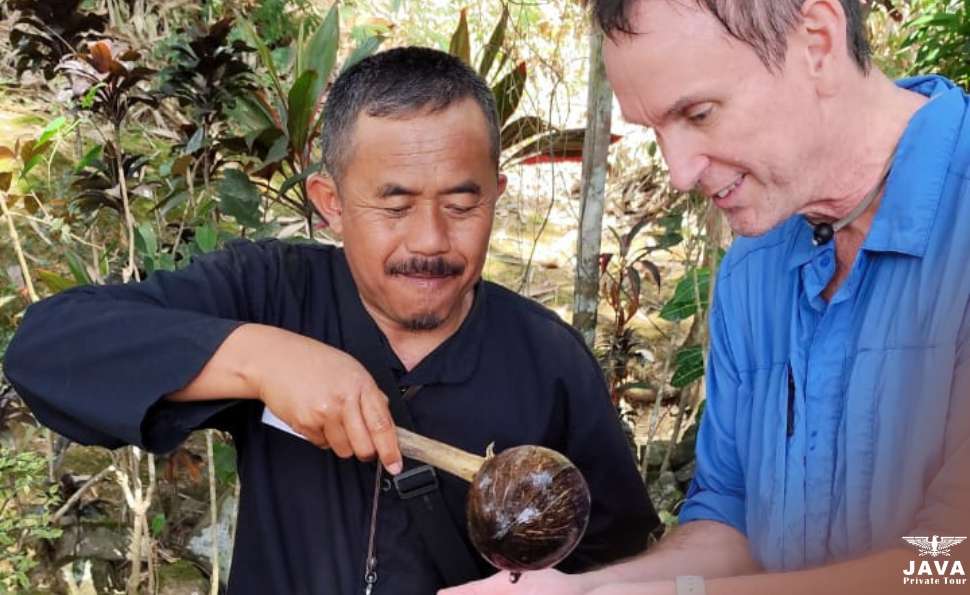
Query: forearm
[876,574]
[704,548]
[234,370]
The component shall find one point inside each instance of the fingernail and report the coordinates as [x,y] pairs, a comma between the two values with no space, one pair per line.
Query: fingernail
[395,468]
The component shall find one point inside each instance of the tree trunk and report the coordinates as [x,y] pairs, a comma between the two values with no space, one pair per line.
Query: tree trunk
[595,149]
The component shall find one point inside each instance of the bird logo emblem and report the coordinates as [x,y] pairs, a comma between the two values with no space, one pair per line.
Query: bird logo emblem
[934,546]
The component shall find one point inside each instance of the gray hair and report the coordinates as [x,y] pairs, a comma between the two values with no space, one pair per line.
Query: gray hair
[395,83]
[762,24]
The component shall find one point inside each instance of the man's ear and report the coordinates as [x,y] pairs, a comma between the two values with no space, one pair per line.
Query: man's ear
[503,182]
[824,41]
[323,194]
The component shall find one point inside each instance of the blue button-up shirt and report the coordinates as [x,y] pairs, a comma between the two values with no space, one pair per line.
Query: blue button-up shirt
[833,428]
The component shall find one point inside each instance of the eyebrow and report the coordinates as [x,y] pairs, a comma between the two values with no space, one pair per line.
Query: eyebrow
[392,189]
[679,106]
[388,190]
[466,187]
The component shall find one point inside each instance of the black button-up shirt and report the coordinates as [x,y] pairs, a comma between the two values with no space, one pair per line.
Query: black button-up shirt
[94,363]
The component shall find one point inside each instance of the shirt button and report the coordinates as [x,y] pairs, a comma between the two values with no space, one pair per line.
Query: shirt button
[385,485]
[825,261]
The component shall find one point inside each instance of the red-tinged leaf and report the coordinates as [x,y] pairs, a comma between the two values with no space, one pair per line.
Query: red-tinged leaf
[541,159]
[653,269]
[100,57]
[555,147]
[522,129]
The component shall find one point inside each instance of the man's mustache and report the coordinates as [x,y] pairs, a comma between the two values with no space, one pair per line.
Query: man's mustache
[427,267]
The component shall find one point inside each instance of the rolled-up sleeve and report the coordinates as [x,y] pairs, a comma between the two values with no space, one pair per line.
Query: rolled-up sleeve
[94,363]
[717,491]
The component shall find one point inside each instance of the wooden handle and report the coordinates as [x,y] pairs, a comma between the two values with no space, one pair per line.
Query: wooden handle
[438,454]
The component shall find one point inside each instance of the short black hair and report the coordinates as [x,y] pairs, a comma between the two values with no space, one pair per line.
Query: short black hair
[762,24]
[400,82]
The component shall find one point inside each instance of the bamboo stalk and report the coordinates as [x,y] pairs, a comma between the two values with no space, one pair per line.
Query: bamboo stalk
[214,512]
[438,454]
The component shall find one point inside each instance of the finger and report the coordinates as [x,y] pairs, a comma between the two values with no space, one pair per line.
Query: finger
[337,437]
[357,432]
[380,426]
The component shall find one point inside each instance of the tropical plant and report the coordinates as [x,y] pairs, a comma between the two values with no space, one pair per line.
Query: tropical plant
[206,75]
[25,502]
[940,34]
[282,120]
[47,31]
[527,139]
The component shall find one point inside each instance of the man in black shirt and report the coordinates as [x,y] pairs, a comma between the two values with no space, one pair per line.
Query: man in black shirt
[267,340]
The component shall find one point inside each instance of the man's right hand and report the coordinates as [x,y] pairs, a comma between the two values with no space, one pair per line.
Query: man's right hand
[321,392]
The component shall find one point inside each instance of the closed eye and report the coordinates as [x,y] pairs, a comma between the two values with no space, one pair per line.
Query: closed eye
[697,114]
[396,211]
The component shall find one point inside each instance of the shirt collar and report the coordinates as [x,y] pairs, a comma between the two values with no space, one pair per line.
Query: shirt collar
[912,196]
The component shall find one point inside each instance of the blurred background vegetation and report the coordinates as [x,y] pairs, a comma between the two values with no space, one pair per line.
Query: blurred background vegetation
[135,135]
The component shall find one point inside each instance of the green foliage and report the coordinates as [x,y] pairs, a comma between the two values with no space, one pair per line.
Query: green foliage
[690,297]
[207,72]
[157,524]
[25,502]
[240,198]
[225,462]
[688,366]
[283,120]
[108,80]
[940,33]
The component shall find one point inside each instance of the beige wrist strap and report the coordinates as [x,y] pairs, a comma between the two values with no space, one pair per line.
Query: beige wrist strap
[690,585]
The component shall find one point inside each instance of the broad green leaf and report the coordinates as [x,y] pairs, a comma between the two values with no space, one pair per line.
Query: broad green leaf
[145,241]
[31,164]
[77,269]
[253,115]
[195,143]
[320,53]
[695,285]
[51,129]
[55,282]
[300,109]
[460,46]
[299,178]
[276,153]
[508,92]
[164,261]
[206,237]
[494,44]
[366,48]
[158,523]
[93,154]
[688,366]
[240,198]
[264,54]
[225,461]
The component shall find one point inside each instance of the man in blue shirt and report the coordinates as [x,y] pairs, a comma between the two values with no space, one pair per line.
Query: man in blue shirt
[839,371]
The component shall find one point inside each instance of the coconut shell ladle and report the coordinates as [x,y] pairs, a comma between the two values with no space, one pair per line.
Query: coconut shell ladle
[527,506]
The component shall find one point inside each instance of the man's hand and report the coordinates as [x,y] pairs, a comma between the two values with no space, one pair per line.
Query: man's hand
[330,398]
[321,392]
[543,582]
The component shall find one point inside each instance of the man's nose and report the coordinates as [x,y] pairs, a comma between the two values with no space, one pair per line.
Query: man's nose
[428,230]
[685,163]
